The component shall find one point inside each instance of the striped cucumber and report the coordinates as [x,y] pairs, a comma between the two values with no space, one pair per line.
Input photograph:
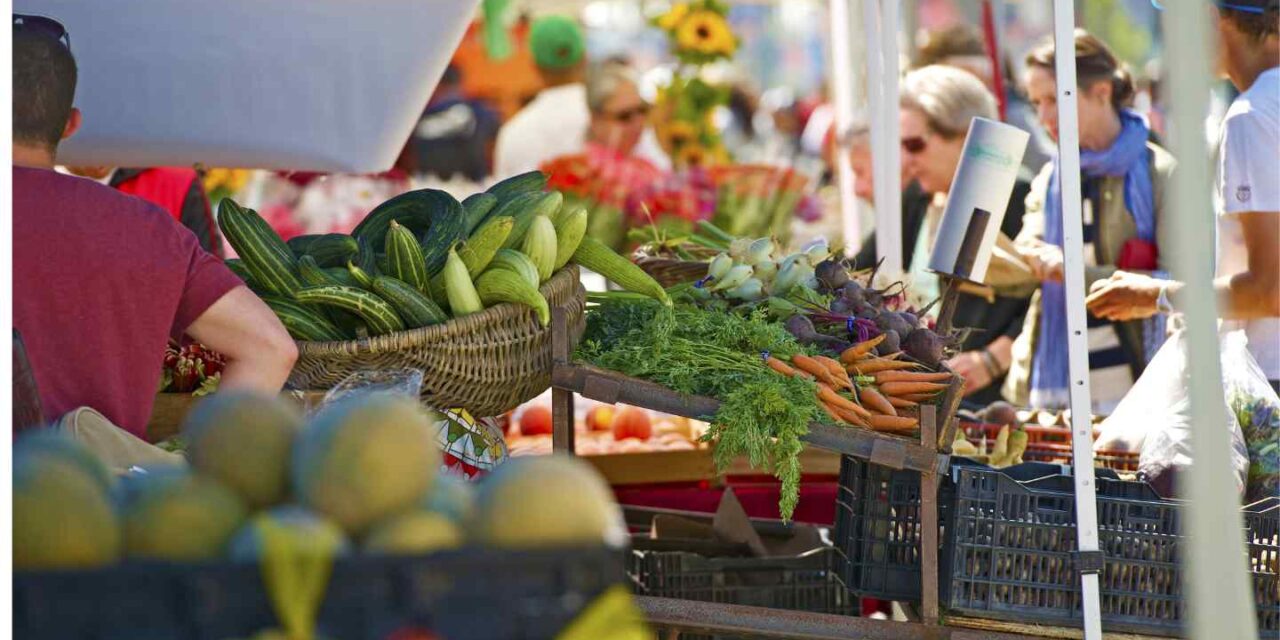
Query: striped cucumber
[502,285]
[404,257]
[478,251]
[363,278]
[540,245]
[542,204]
[312,274]
[267,257]
[376,312]
[332,249]
[299,244]
[448,228]
[301,322]
[528,182]
[478,206]
[463,299]
[571,227]
[513,260]
[412,209]
[237,267]
[414,307]
[599,258]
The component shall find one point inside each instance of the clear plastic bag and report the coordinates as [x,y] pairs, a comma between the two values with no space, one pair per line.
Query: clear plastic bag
[1157,412]
[1256,408]
[402,381]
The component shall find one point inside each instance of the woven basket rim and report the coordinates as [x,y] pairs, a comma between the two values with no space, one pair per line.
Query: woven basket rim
[563,281]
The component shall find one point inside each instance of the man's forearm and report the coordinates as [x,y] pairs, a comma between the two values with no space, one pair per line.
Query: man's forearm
[1245,296]
[264,375]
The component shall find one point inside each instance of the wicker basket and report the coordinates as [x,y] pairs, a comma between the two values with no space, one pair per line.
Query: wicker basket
[487,363]
[669,273]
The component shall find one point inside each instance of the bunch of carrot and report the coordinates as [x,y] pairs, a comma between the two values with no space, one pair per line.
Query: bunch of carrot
[877,386]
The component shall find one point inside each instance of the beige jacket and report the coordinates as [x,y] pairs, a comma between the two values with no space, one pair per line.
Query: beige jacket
[1115,227]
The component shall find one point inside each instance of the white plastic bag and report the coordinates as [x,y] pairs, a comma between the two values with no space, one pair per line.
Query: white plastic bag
[1157,413]
[1256,408]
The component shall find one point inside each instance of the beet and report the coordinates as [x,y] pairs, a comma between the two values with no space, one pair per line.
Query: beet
[925,346]
[911,318]
[864,310]
[892,342]
[840,305]
[852,292]
[1001,412]
[831,275]
[800,326]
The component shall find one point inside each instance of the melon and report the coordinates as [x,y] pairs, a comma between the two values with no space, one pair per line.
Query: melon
[54,442]
[451,497]
[62,513]
[547,501]
[244,440]
[365,458]
[414,532]
[303,527]
[173,513]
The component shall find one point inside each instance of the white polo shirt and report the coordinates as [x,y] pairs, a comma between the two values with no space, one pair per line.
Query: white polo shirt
[553,124]
[1249,180]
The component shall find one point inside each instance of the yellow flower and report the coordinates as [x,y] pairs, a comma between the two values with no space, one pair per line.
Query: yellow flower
[705,32]
[691,155]
[676,134]
[232,180]
[671,19]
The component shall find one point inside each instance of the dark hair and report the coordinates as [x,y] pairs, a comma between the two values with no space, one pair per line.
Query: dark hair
[957,40]
[1256,26]
[1094,63]
[44,85]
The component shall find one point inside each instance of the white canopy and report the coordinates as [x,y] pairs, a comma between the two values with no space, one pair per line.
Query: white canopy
[322,85]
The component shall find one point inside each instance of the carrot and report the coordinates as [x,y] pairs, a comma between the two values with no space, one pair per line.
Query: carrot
[835,416]
[837,372]
[906,388]
[868,367]
[919,397]
[911,376]
[852,418]
[892,423]
[780,366]
[900,403]
[813,367]
[861,410]
[828,395]
[861,349]
[876,402]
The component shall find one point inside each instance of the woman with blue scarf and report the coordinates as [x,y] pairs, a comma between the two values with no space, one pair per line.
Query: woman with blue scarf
[1122,179]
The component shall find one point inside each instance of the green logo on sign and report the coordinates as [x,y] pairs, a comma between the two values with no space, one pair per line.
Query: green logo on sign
[982,152]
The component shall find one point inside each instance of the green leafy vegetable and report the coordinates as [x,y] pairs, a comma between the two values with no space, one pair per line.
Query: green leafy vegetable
[718,354]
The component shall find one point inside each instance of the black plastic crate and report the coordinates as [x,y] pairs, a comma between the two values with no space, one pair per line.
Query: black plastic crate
[878,525]
[468,594]
[803,583]
[1010,553]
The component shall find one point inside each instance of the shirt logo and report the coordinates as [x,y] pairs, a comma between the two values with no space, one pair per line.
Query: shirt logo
[1243,193]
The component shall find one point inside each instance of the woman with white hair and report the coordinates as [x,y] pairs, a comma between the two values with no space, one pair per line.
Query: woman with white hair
[937,105]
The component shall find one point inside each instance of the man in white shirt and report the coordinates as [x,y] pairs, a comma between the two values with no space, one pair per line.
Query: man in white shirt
[1247,198]
[555,122]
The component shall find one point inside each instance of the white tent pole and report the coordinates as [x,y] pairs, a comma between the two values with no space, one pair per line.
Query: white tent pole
[890,162]
[1219,594]
[843,22]
[1064,24]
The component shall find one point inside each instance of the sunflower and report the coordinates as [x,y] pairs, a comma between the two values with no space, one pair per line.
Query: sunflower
[706,33]
[671,19]
[691,155]
[676,134]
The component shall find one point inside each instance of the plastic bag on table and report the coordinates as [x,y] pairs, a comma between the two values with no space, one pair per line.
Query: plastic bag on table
[402,381]
[1158,404]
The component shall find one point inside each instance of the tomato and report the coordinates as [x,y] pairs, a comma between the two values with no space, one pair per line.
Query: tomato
[600,417]
[631,422]
[535,420]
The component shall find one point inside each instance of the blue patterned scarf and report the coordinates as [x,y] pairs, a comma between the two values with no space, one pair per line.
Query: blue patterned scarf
[1128,156]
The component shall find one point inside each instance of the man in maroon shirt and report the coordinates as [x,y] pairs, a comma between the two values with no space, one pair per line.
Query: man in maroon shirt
[101,279]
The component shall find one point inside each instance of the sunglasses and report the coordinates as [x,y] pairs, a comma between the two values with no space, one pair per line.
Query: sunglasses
[914,144]
[626,116]
[44,26]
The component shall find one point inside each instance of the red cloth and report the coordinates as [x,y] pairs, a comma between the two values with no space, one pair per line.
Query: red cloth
[101,281]
[1138,255]
[759,497]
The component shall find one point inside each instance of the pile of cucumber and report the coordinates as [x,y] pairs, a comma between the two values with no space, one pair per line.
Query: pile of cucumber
[420,259]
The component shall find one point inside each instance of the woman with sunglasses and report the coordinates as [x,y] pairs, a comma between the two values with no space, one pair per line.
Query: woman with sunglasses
[937,105]
[1122,180]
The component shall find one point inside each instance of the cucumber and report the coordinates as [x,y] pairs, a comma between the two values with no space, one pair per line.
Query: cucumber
[416,309]
[366,258]
[341,275]
[528,182]
[237,267]
[542,204]
[448,227]
[312,274]
[513,260]
[299,244]
[412,209]
[376,312]
[301,322]
[599,258]
[478,206]
[404,257]
[476,252]
[268,259]
[332,249]
[363,278]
